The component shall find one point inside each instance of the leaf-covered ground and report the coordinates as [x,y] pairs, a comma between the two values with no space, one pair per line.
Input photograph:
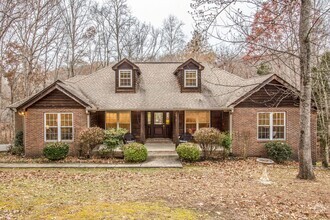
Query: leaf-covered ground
[222,190]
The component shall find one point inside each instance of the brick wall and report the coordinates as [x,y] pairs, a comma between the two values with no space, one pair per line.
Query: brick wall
[245,131]
[34,129]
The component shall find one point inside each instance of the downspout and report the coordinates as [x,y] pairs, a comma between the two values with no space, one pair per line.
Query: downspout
[231,128]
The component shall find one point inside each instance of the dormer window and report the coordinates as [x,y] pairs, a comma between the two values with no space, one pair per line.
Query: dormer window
[125,78]
[190,78]
[189,75]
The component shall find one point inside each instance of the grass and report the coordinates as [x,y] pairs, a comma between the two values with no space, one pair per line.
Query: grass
[220,190]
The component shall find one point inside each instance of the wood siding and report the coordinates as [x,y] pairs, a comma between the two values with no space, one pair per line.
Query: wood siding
[273,94]
[132,89]
[180,75]
[56,99]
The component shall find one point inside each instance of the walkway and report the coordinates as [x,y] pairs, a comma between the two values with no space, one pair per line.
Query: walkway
[152,162]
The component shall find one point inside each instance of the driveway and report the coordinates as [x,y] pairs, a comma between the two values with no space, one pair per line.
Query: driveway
[4,147]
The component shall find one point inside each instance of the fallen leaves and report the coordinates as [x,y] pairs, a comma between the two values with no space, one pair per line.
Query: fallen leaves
[206,190]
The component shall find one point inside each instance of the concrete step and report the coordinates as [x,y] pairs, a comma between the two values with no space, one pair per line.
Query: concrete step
[162,153]
[159,140]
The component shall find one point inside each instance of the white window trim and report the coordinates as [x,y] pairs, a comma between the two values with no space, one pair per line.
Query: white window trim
[117,123]
[131,78]
[196,79]
[58,127]
[197,121]
[271,127]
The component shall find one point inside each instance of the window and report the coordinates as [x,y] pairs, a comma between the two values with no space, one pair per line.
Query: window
[271,126]
[196,120]
[118,120]
[190,78]
[125,78]
[58,126]
[158,118]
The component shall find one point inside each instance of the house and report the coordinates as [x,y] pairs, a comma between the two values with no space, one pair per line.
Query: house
[163,100]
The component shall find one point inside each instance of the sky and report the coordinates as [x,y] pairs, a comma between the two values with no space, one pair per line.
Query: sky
[155,11]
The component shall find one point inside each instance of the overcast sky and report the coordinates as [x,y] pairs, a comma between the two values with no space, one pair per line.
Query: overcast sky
[155,11]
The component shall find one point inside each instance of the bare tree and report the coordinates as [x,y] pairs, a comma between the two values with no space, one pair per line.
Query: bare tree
[34,34]
[74,14]
[294,44]
[173,36]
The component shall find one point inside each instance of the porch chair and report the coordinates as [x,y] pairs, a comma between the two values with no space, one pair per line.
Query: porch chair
[185,137]
[129,138]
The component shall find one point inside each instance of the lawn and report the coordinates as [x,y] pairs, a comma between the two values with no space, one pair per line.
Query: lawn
[222,190]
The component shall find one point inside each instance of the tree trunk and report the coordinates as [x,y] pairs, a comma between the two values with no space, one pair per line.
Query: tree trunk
[305,150]
[325,161]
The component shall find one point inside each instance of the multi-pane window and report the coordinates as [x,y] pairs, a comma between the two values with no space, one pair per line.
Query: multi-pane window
[196,120]
[271,126]
[118,120]
[58,126]
[190,78]
[125,78]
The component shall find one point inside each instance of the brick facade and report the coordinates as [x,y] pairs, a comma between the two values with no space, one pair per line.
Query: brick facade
[34,128]
[245,131]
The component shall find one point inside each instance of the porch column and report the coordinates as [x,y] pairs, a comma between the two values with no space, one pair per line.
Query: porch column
[176,128]
[88,119]
[142,127]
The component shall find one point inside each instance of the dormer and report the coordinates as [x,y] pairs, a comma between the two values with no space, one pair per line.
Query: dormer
[189,76]
[126,74]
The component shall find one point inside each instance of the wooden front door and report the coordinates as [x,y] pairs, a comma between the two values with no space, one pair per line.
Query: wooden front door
[159,124]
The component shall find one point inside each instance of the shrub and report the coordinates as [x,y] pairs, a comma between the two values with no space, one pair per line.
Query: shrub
[114,137]
[189,152]
[135,152]
[208,139]
[225,141]
[18,148]
[89,138]
[19,139]
[278,151]
[56,151]
[105,152]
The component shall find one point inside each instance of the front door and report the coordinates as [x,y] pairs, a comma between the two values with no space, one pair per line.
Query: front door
[159,124]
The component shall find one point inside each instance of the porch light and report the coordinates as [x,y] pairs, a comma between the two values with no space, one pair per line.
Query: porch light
[21,113]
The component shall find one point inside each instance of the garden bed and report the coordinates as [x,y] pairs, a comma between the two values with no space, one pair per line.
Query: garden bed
[8,158]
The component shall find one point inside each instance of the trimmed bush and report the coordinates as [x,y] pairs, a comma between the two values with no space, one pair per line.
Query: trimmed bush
[188,152]
[56,151]
[225,142]
[135,152]
[105,153]
[18,148]
[19,139]
[208,140]
[114,137]
[89,138]
[278,151]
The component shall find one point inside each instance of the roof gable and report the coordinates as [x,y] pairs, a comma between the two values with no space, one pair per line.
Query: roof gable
[189,61]
[43,93]
[272,92]
[125,60]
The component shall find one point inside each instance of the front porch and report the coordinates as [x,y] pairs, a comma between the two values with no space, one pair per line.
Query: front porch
[161,125]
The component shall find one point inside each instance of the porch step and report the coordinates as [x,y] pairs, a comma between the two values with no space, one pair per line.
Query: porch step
[163,154]
[159,140]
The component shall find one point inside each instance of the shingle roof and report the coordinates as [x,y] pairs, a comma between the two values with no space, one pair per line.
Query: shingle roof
[158,89]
